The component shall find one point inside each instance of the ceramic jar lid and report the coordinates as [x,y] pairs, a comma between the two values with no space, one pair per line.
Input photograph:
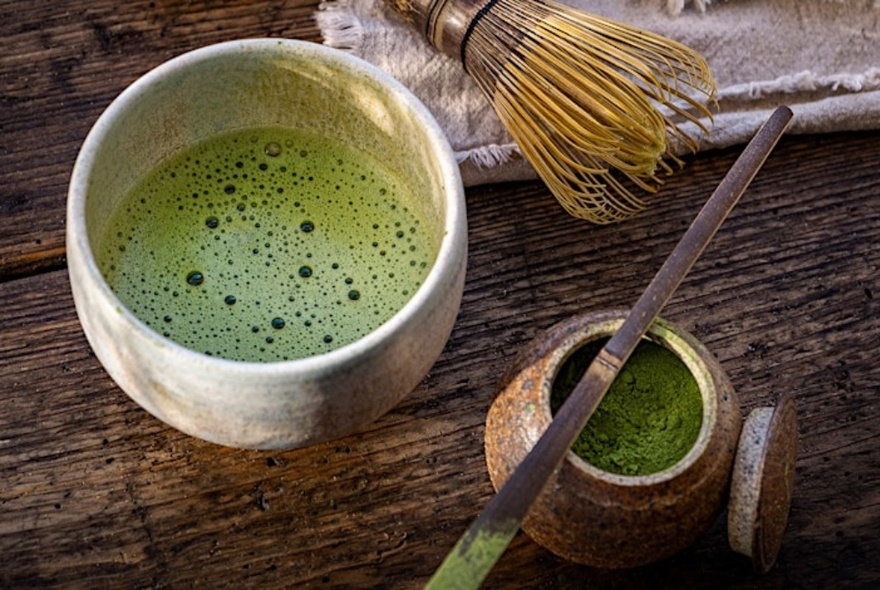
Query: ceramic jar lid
[762,483]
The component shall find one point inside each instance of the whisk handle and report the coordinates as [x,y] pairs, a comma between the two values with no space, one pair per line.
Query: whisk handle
[445,23]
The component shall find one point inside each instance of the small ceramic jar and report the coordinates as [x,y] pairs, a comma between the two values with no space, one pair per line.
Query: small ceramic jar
[599,518]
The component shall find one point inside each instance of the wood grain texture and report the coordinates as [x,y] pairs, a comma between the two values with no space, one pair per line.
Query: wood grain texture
[61,63]
[97,493]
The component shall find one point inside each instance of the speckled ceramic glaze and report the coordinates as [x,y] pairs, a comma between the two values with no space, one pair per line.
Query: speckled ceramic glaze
[603,519]
[265,83]
[763,482]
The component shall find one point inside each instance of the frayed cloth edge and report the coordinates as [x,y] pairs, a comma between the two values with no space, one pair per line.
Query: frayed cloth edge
[803,82]
[674,7]
[488,156]
[340,26]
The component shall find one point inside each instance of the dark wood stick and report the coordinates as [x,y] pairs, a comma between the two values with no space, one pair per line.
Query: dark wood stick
[488,536]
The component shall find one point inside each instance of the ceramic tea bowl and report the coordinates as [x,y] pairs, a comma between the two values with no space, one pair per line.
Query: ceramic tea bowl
[266,83]
[604,519]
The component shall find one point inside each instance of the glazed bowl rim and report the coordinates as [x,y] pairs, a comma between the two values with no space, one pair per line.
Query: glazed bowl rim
[453,233]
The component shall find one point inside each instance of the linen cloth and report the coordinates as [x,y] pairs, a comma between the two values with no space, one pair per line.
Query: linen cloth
[820,57]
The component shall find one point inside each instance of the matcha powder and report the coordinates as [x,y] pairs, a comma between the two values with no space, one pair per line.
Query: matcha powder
[650,417]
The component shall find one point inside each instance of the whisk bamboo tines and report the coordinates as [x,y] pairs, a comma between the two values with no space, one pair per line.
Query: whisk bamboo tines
[593,104]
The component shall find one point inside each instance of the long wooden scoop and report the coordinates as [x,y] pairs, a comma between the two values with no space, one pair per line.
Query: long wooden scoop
[483,543]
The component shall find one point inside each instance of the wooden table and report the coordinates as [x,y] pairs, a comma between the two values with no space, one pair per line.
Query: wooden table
[94,492]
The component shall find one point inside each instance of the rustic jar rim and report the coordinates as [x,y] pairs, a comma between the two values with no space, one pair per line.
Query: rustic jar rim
[662,334]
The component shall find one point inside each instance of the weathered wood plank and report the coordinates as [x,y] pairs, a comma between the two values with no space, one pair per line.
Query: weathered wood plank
[61,63]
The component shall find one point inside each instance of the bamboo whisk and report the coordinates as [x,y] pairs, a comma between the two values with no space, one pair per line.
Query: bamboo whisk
[589,101]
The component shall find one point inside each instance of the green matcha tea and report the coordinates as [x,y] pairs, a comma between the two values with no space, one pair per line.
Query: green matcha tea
[267,245]
[650,417]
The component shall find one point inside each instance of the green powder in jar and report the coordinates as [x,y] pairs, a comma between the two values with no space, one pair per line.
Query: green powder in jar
[650,417]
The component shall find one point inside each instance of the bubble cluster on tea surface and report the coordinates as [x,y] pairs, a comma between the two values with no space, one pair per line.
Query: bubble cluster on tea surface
[267,245]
